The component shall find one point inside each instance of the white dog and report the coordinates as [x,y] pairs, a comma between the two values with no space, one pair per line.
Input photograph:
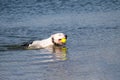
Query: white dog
[58,39]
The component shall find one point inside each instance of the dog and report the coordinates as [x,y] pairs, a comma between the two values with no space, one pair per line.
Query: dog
[57,39]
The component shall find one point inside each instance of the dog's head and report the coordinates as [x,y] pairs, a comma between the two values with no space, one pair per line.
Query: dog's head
[59,38]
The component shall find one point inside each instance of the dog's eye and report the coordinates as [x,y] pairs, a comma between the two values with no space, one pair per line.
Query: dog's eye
[59,39]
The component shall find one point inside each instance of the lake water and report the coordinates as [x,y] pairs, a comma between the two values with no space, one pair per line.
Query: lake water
[92,51]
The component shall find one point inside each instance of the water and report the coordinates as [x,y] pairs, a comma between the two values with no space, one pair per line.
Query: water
[92,50]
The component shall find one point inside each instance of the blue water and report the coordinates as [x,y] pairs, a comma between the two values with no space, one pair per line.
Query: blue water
[92,50]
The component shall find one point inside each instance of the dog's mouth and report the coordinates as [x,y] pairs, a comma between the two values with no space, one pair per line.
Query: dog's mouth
[63,40]
[60,44]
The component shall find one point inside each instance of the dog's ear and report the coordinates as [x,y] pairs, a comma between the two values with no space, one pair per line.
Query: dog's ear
[66,36]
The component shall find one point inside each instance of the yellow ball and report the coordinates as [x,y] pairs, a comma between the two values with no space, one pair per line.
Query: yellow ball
[63,40]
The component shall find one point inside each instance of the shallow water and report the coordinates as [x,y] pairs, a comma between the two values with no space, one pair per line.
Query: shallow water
[92,50]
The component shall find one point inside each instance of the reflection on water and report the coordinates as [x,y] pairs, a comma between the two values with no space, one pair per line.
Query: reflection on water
[57,53]
[60,52]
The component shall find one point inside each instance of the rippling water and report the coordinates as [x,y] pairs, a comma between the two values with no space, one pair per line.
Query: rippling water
[92,50]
